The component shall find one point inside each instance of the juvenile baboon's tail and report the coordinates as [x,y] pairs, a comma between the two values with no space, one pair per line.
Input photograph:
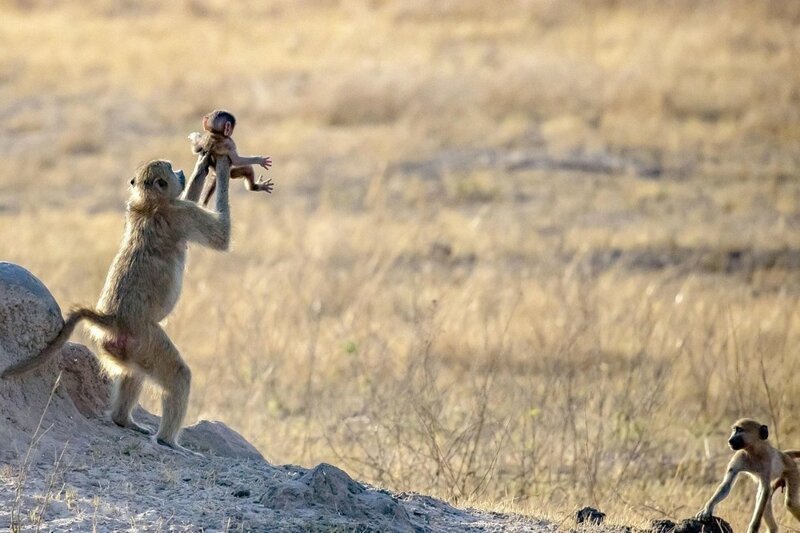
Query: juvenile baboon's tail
[77,314]
[794,454]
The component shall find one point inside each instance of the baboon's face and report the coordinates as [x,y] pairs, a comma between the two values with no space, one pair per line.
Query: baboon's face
[745,432]
[157,179]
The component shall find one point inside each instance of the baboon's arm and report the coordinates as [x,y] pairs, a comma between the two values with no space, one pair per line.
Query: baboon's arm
[197,179]
[212,229]
[722,491]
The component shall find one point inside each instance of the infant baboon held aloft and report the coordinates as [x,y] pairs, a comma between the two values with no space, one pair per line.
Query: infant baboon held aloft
[216,140]
[142,288]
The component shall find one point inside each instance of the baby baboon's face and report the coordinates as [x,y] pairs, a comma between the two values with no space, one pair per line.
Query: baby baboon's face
[157,178]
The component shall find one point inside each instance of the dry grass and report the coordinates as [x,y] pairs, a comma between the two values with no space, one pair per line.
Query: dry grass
[528,256]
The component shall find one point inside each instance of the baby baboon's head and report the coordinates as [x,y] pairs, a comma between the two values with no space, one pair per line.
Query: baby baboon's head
[220,121]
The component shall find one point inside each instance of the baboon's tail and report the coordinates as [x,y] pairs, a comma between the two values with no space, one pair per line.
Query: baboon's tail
[794,454]
[105,321]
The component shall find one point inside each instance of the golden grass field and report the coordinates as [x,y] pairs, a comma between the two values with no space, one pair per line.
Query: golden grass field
[526,255]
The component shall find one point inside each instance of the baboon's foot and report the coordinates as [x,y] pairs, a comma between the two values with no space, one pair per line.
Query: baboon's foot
[177,448]
[130,424]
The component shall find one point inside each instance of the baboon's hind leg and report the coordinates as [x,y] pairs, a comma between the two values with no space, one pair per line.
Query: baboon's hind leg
[769,517]
[126,395]
[163,363]
[793,492]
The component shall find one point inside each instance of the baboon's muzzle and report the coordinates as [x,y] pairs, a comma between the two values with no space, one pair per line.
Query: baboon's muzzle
[736,443]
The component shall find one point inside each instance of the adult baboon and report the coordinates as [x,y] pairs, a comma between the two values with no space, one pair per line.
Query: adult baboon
[142,288]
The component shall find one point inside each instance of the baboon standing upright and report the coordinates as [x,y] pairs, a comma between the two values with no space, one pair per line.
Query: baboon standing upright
[142,288]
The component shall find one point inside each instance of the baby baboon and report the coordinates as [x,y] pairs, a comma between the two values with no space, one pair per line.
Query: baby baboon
[217,141]
[141,289]
[756,457]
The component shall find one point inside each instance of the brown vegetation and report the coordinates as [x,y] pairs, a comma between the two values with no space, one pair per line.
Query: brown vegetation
[525,254]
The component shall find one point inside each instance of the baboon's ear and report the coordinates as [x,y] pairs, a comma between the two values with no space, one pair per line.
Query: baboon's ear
[763,432]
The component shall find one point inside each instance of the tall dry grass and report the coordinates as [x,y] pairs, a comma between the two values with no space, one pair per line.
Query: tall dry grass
[528,256]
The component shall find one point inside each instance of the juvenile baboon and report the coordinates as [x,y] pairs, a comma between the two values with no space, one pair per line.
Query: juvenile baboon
[141,289]
[756,457]
[216,140]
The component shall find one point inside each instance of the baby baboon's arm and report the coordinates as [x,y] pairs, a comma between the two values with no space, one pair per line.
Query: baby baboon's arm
[209,228]
[242,160]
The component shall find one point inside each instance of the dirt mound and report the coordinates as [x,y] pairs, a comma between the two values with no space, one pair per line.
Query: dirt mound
[69,469]
[711,524]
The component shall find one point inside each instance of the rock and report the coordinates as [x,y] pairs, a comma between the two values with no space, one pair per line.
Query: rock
[328,487]
[84,381]
[17,276]
[29,319]
[590,515]
[712,524]
[219,439]
[29,315]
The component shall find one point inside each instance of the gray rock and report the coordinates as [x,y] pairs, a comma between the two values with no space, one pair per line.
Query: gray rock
[14,275]
[219,439]
[328,488]
[29,319]
[29,315]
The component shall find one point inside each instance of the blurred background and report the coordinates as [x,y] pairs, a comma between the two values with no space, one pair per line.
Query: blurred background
[525,255]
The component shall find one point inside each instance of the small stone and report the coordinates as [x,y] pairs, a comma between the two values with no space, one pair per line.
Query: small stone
[590,515]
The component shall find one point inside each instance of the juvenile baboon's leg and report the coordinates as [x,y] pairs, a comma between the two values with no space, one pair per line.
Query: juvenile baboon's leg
[762,499]
[126,395]
[769,518]
[163,363]
[793,492]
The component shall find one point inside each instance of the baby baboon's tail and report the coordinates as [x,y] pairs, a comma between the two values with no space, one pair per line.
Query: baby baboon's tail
[99,319]
[794,454]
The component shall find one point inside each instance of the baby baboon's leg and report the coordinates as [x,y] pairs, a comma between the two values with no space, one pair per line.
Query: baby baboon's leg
[163,363]
[126,394]
[209,187]
[250,182]
[248,174]
[793,492]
